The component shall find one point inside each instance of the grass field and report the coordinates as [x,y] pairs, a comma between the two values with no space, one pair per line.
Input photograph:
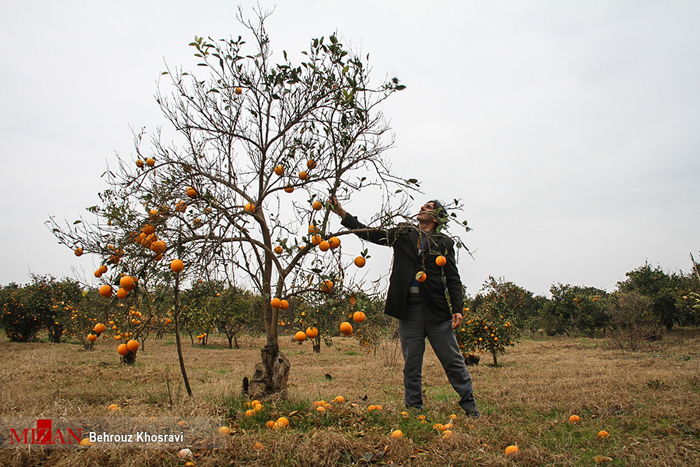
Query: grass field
[648,401]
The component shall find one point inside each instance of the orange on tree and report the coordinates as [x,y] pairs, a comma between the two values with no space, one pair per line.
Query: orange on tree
[249,207]
[92,337]
[139,163]
[317,205]
[122,293]
[327,285]
[358,316]
[99,328]
[103,269]
[440,260]
[238,90]
[284,304]
[334,242]
[346,328]
[106,291]
[324,245]
[127,283]
[300,336]
[98,273]
[122,349]
[311,333]
[276,302]
[289,189]
[279,249]
[360,261]
[181,206]
[313,229]
[78,251]
[191,192]
[150,162]
[279,170]
[311,164]
[316,239]
[303,175]
[132,345]
[148,229]
[421,276]
[158,246]
[177,265]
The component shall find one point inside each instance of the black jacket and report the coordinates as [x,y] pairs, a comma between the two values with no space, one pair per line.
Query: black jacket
[440,282]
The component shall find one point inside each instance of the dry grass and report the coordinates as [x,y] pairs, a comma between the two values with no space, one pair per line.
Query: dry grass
[649,402]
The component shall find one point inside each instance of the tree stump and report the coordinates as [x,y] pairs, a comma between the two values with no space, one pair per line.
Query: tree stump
[271,374]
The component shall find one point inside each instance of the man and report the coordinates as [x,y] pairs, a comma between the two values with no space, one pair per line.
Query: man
[420,302]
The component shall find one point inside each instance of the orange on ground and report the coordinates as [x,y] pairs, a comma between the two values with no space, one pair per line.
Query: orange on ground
[603,434]
[346,328]
[177,265]
[283,421]
[512,449]
[358,316]
[574,419]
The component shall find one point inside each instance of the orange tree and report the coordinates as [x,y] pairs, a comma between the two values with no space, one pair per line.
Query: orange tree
[255,145]
[231,312]
[490,324]
[575,309]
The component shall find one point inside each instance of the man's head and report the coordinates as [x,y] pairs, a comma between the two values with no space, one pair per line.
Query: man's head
[432,212]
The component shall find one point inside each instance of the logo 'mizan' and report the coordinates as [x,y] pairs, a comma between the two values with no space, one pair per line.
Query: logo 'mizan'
[44,434]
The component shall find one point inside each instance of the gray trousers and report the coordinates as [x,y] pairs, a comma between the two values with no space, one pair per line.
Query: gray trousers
[413,330]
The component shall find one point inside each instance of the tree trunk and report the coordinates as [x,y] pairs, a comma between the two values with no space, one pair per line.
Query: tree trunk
[495,358]
[317,345]
[271,374]
[177,336]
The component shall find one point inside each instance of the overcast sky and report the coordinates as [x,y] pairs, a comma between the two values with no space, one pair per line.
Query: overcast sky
[570,129]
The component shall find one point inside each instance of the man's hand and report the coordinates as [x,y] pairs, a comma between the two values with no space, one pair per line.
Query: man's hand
[336,207]
[456,319]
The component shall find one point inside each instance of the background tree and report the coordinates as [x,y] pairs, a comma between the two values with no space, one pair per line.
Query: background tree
[574,309]
[657,285]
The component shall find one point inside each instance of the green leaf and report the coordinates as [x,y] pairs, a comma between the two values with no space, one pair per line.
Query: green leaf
[77,222]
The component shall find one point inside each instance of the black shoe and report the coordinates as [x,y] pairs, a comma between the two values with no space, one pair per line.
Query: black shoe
[473,414]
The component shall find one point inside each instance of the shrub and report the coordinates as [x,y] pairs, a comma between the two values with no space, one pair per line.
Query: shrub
[633,320]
